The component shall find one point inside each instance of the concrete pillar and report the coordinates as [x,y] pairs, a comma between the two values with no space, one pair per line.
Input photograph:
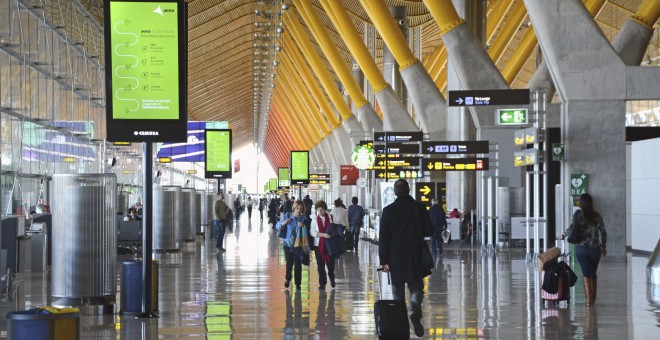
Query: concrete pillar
[593,84]
[366,114]
[390,66]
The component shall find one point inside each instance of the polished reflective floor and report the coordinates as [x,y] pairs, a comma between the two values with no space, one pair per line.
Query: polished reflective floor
[240,294]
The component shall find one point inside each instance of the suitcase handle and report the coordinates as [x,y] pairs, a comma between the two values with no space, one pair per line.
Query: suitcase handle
[380,285]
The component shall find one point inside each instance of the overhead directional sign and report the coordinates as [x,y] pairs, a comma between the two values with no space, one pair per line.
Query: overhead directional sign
[319,178]
[488,97]
[396,148]
[455,164]
[424,192]
[396,174]
[368,143]
[392,136]
[525,157]
[399,162]
[455,147]
[511,117]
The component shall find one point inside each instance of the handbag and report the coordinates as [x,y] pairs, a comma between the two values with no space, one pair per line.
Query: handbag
[576,235]
[427,257]
[282,231]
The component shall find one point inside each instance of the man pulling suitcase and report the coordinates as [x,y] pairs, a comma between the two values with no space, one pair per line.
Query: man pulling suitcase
[403,226]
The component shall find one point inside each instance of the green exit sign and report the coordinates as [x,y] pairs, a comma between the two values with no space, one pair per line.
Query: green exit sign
[511,116]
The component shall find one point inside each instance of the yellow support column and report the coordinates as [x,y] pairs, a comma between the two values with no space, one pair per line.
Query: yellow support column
[317,65]
[331,52]
[444,13]
[380,15]
[354,42]
[291,50]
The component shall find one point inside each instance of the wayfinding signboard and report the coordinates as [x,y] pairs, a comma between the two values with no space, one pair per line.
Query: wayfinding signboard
[454,147]
[455,164]
[283,177]
[396,174]
[426,191]
[488,97]
[299,167]
[319,178]
[525,157]
[394,136]
[396,148]
[217,163]
[511,117]
[399,162]
[146,70]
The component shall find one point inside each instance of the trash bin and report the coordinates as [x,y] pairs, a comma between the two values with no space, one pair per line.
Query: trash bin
[131,287]
[40,324]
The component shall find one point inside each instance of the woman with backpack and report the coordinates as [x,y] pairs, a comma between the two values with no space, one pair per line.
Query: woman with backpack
[587,225]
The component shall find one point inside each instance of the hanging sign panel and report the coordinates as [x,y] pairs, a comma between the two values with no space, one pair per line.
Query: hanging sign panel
[217,163]
[455,164]
[488,97]
[146,70]
[454,147]
[299,167]
[393,136]
[283,177]
[319,178]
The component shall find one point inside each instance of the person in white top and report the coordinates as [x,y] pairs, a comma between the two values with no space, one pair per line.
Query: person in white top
[249,204]
[319,230]
[339,214]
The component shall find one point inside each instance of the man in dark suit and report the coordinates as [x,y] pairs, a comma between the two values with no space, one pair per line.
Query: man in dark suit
[439,220]
[403,226]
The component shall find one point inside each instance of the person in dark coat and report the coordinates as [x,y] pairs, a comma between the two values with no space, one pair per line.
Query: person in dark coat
[439,220]
[403,226]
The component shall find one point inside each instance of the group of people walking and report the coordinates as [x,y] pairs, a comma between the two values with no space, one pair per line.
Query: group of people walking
[305,227]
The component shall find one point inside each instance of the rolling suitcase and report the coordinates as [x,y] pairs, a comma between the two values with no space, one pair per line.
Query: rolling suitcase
[565,279]
[391,316]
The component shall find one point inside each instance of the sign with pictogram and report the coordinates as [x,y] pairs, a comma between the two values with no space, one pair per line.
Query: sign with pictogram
[455,164]
[488,97]
[525,157]
[578,184]
[397,148]
[558,152]
[454,147]
[319,178]
[511,117]
[348,175]
[392,136]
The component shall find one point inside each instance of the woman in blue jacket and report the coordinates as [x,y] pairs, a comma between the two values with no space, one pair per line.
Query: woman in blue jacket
[291,221]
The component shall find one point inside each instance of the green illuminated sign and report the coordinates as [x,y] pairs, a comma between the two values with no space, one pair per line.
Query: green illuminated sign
[283,177]
[300,167]
[218,153]
[511,117]
[144,45]
[272,184]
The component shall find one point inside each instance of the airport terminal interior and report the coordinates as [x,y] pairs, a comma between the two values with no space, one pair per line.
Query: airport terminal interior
[123,121]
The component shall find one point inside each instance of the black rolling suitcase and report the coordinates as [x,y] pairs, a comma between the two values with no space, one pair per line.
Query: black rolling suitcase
[391,316]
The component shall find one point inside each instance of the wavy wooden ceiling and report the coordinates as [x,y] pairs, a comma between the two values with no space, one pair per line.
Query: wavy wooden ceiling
[221,54]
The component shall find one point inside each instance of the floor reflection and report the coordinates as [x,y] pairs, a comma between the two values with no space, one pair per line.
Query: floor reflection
[240,295]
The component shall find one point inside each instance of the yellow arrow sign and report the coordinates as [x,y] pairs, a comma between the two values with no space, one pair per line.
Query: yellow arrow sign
[424,199]
[381,175]
[430,166]
[425,190]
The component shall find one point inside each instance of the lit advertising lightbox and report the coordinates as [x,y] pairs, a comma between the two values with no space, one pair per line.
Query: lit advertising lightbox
[218,153]
[299,167]
[272,184]
[146,48]
[283,177]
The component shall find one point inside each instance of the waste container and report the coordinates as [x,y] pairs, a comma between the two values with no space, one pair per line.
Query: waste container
[131,287]
[40,324]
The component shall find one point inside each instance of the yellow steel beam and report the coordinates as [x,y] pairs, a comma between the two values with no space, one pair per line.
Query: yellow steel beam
[291,50]
[648,13]
[284,135]
[321,35]
[317,65]
[291,77]
[294,106]
[430,59]
[385,24]
[309,133]
[444,13]
[508,31]
[496,16]
[298,136]
[351,37]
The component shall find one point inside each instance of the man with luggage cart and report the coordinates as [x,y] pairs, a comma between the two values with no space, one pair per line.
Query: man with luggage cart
[403,226]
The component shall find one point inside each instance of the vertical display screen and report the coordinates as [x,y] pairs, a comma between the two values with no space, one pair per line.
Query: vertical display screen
[272,184]
[146,44]
[218,153]
[300,167]
[283,177]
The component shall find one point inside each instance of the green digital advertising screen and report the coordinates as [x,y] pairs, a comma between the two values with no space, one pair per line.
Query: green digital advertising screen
[217,148]
[146,51]
[299,167]
[272,184]
[283,177]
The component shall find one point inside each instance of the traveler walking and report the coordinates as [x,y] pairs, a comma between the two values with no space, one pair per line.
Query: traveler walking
[355,220]
[220,214]
[291,221]
[320,224]
[591,244]
[249,202]
[403,226]
[439,220]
